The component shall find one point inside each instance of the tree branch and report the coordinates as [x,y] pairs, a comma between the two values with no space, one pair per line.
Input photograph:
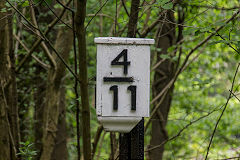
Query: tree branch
[96,14]
[225,106]
[154,24]
[43,44]
[214,7]
[180,132]
[35,45]
[44,65]
[57,15]
[96,140]
[182,68]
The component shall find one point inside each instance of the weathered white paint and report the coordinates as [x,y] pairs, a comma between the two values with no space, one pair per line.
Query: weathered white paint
[119,124]
[108,48]
[120,40]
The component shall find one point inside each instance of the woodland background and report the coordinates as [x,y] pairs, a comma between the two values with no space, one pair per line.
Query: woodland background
[48,67]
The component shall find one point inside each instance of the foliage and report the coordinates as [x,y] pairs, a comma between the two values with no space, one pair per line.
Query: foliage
[27,151]
[201,88]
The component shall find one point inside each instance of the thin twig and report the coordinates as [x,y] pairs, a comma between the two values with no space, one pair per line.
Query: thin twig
[154,24]
[153,112]
[76,88]
[229,44]
[55,51]
[35,45]
[155,66]
[226,104]
[116,17]
[180,132]
[43,44]
[63,61]
[22,15]
[125,8]
[214,7]
[100,14]
[234,95]
[57,15]
[182,68]
[96,140]
[229,158]
[96,14]
[65,6]
[100,145]
[44,65]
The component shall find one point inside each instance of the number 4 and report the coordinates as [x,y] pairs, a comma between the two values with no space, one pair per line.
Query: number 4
[125,63]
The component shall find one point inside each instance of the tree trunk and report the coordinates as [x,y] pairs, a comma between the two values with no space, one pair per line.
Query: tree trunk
[40,101]
[11,96]
[60,150]
[83,76]
[4,80]
[164,73]
[54,82]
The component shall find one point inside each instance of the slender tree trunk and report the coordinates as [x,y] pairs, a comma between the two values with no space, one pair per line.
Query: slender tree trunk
[51,110]
[4,80]
[40,97]
[164,73]
[11,96]
[83,76]
[60,150]
[40,101]
[133,19]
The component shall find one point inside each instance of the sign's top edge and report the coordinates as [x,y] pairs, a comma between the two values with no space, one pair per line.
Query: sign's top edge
[123,40]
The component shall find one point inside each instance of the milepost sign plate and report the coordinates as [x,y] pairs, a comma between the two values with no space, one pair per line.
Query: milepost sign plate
[123,81]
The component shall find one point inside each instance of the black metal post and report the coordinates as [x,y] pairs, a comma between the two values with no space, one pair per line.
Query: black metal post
[131,145]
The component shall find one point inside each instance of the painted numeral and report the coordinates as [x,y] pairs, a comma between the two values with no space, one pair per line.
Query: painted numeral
[132,89]
[125,61]
[115,96]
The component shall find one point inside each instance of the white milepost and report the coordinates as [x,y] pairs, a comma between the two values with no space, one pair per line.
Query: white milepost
[123,82]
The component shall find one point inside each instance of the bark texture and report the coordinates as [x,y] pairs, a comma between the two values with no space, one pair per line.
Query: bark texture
[133,19]
[9,128]
[164,73]
[60,150]
[40,101]
[11,93]
[83,76]
[51,110]
[4,80]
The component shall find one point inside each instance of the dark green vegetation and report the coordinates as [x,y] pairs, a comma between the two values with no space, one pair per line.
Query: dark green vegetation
[48,67]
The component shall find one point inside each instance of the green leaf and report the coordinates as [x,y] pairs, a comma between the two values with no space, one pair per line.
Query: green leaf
[221,41]
[7,5]
[158,49]
[25,4]
[57,6]
[167,5]
[189,31]
[165,56]
[175,58]
[206,29]
[197,32]
[219,24]
[3,10]
[163,2]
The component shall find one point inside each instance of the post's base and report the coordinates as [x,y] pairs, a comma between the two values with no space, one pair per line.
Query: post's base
[119,124]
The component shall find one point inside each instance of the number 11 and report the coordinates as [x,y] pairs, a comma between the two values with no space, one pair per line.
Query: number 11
[132,89]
